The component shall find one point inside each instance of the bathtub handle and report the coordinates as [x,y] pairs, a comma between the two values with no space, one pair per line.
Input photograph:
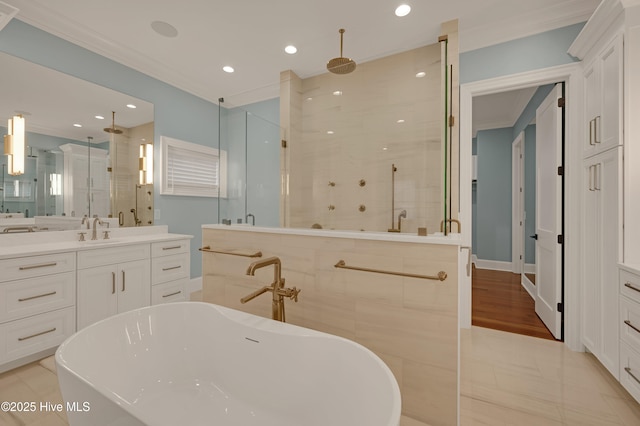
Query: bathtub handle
[123,280]
[113,283]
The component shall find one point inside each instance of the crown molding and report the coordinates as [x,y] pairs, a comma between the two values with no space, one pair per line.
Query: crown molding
[557,16]
[7,13]
[607,15]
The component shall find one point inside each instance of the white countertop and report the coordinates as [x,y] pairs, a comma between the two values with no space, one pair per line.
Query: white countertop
[451,239]
[37,243]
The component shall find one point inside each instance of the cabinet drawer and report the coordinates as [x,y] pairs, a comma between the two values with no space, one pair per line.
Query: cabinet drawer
[35,266]
[112,255]
[630,285]
[22,298]
[166,248]
[630,370]
[34,334]
[173,291]
[169,268]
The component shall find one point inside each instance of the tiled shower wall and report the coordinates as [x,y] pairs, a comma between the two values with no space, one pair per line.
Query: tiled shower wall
[412,324]
[349,131]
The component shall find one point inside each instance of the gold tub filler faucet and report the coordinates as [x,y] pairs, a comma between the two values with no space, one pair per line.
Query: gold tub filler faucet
[277,287]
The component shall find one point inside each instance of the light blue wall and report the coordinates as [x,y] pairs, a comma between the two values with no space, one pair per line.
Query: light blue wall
[538,51]
[178,114]
[494,195]
[529,112]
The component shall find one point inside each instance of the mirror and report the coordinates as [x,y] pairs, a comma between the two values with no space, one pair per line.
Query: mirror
[64,116]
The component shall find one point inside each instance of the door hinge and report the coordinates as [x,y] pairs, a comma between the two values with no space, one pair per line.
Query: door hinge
[283,143]
[560,171]
[560,307]
[452,121]
[560,239]
[520,257]
[560,102]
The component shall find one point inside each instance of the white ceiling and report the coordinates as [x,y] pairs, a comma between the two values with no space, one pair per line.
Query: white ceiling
[250,35]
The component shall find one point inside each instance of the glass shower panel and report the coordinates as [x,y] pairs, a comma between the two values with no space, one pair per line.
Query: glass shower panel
[263,172]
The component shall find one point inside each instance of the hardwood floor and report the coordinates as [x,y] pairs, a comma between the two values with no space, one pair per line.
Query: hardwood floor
[500,302]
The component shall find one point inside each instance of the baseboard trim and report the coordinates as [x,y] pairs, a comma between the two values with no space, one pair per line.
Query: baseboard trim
[529,286]
[194,284]
[494,265]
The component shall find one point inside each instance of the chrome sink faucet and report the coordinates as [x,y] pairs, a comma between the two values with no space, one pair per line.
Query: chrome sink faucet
[277,288]
[96,222]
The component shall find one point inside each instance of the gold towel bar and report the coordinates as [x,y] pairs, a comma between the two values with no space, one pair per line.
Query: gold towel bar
[441,275]
[231,252]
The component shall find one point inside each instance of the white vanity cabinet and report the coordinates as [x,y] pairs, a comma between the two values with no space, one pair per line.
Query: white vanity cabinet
[170,267]
[37,305]
[112,280]
[629,324]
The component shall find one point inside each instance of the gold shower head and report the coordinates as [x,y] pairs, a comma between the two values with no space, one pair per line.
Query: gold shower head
[113,129]
[341,65]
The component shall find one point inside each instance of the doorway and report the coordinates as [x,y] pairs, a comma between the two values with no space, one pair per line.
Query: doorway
[571,75]
[505,216]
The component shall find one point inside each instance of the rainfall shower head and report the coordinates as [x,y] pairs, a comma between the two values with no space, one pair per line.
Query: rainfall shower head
[341,65]
[113,129]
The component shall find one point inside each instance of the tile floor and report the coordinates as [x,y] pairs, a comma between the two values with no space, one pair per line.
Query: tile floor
[507,379]
[511,379]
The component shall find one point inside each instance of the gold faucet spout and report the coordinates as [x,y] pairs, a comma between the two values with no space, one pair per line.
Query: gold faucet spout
[276,288]
[275,261]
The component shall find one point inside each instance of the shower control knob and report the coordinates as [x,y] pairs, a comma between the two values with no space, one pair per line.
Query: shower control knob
[294,294]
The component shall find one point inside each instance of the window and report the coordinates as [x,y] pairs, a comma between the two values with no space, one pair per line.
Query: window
[192,170]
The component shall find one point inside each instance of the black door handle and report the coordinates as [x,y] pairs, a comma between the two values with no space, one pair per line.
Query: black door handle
[534,236]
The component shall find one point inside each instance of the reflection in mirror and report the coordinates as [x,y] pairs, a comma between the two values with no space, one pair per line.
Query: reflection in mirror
[62,178]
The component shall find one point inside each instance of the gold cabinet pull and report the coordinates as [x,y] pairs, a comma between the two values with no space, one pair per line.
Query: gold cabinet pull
[24,299]
[596,130]
[20,339]
[632,326]
[171,248]
[172,294]
[171,268]
[113,283]
[628,370]
[629,285]
[42,265]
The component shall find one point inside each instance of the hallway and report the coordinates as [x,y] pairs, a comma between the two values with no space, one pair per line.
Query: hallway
[500,302]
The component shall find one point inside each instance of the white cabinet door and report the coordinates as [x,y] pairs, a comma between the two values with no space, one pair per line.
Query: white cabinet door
[134,285]
[97,294]
[591,313]
[104,291]
[601,251]
[603,99]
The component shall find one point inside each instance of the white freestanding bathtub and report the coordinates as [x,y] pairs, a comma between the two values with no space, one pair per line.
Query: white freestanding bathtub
[201,364]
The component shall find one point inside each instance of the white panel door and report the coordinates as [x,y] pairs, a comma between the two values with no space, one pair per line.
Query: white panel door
[549,212]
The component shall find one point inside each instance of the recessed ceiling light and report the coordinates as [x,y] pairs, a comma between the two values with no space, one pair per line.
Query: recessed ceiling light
[309,99]
[337,92]
[385,148]
[164,29]
[99,117]
[132,106]
[77,125]
[400,121]
[403,10]
[421,74]
[291,49]
[228,69]
[330,132]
